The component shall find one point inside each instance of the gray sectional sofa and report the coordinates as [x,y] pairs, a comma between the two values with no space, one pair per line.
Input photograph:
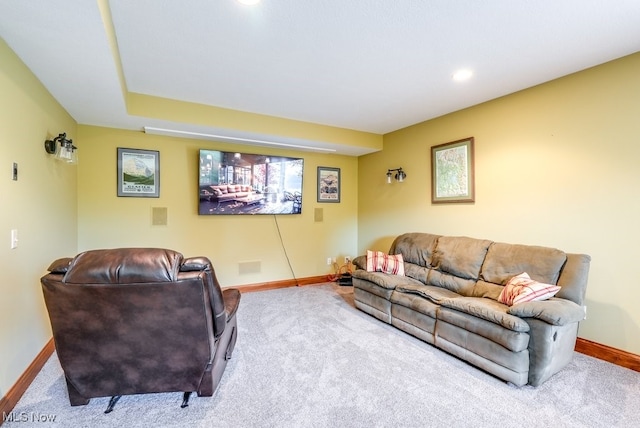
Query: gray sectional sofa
[448,297]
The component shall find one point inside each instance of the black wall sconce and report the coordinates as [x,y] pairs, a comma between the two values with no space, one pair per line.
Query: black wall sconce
[62,148]
[400,175]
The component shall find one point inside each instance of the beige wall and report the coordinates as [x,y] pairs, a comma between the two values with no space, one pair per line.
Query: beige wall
[556,165]
[106,220]
[41,205]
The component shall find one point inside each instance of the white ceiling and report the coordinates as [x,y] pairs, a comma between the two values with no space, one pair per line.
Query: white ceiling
[367,65]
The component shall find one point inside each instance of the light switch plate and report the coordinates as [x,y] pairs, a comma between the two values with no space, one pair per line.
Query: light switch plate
[14,238]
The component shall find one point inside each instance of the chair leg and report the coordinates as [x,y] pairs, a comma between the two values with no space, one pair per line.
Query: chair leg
[185,400]
[205,389]
[112,403]
[75,399]
[232,344]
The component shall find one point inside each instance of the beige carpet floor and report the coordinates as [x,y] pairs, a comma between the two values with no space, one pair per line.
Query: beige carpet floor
[306,357]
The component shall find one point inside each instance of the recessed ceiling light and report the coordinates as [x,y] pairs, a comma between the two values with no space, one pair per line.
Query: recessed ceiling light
[462,75]
[249,2]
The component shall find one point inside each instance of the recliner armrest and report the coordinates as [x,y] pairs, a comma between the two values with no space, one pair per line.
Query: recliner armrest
[194,264]
[231,301]
[212,289]
[554,311]
[60,265]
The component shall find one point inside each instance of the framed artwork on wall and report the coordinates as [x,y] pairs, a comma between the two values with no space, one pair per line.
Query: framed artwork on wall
[138,173]
[452,172]
[328,184]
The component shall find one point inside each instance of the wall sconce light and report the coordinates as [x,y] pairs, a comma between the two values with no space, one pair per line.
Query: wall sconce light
[400,175]
[62,148]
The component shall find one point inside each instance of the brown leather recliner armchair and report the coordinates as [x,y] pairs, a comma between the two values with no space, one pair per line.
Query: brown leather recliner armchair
[139,320]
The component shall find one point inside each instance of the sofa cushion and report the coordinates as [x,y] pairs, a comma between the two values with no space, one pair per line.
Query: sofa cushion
[521,288]
[451,282]
[416,303]
[416,272]
[377,261]
[487,309]
[460,256]
[467,326]
[486,289]
[504,261]
[415,248]
[435,294]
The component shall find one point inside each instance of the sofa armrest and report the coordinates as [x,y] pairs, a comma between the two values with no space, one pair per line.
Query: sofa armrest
[360,262]
[554,311]
[384,280]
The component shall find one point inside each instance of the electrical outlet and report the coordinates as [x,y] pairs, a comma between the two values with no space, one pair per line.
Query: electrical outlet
[328,261]
[347,259]
[585,312]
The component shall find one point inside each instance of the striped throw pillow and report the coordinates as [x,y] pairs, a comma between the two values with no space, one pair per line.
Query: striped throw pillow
[521,288]
[377,261]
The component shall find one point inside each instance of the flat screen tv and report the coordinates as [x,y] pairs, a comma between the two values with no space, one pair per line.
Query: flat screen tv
[233,183]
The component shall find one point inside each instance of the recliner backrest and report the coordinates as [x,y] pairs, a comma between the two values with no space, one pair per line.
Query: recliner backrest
[124,265]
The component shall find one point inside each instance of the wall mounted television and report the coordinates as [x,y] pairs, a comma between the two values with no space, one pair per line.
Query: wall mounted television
[233,183]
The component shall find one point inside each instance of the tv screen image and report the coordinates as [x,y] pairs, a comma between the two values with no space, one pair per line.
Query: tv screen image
[233,183]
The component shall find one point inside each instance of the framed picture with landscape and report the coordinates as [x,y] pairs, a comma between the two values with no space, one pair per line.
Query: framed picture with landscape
[138,173]
[452,173]
[328,184]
